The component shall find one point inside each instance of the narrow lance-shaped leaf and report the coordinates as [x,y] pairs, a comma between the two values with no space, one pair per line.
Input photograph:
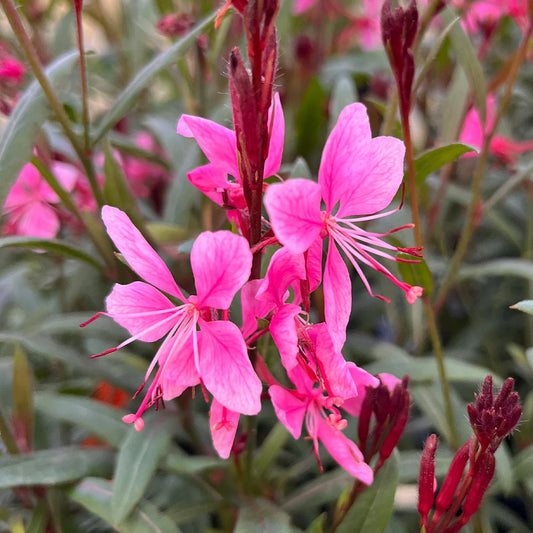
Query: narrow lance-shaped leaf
[19,135]
[23,415]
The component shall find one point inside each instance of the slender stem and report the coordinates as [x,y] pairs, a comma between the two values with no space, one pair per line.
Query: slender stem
[340,514]
[479,172]
[83,80]
[35,64]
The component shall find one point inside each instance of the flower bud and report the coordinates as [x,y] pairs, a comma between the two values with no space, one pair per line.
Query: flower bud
[426,479]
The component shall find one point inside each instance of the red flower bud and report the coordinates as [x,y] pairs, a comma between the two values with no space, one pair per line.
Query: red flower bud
[426,480]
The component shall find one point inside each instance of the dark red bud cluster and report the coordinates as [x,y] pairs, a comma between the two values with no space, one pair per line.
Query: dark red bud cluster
[390,411]
[175,24]
[493,419]
[461,493]
[398,32]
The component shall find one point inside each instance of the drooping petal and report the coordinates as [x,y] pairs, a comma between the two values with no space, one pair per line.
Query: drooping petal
[252,307]
[226,369]
[179,369]
[344,451]
[289,409]
[284,269]
[216,142]
[334,370]
[38,220]
[221,263]
[337,296]
[294,210]
[223,424]
[283,330]
[137,252]
[361,173]
[210,180]
[140,300]
[277,137]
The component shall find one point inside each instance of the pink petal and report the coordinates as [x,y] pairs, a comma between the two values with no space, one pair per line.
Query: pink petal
[277,137]
[337,296]
[362,379]
[38,220]
[216,142]
[294,210]
[223,423]
[137,298]
[66,174]
[137,252]
[221,263]
[283,331]
[345,452]
[226,369]
[179,369]
[252,307]
[314,264]
[361,173]
[335,371]
[301,6]
[210,180]
[284,269]
[289,409]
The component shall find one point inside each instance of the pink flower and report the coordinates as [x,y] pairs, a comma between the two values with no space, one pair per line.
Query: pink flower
[29,206]
[503,148]
[358,177]
[220,180]
[11,69]
[198,347]
[486,14]
[322,419]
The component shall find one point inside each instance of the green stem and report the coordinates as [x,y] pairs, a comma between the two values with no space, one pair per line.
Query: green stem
[35,64]
[84,84]
[479,172]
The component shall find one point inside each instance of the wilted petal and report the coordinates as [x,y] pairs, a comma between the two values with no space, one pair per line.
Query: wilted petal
[294,210]
[216,142]
[337,296]
[283,331]
[277,137]
[141,300]
[221,263]
[223,424]
[137,252]
[344,451]
[226,369]
[289,409]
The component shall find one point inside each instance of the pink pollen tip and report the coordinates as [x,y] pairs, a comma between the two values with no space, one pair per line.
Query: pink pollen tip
[413,293]
[111,350]
[92,319]
[137,421]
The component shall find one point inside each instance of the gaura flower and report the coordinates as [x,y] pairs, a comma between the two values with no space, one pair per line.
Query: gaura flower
[358,177]
[198,348]
[322,419]
[30,205]
[220,180]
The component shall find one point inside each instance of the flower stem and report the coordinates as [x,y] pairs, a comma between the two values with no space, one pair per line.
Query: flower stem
[35,64]
[479,172]
[83,80]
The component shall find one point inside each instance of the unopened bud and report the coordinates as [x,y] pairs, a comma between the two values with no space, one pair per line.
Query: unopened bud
[426,480]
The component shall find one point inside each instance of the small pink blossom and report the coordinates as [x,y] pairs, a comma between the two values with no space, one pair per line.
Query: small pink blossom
[30,205]
[198,348]
[358,177]
[220,180]
[11,69]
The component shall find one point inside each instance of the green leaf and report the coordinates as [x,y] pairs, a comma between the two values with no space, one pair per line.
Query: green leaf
[19,135]
[180,463]
[51,467]
[317,525]
[521,268]
[128,97]
[39,518]
[137,462]
[344,93]
[453,107]
[54,246]
[373,508]
[166,234]
[270,449]
[504,470]
[117,191]
[95,417]
[23,415]
[300,169]
[432,160]
[416,274]
[468,60]
[95,495]
[526,306]
[262,516]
